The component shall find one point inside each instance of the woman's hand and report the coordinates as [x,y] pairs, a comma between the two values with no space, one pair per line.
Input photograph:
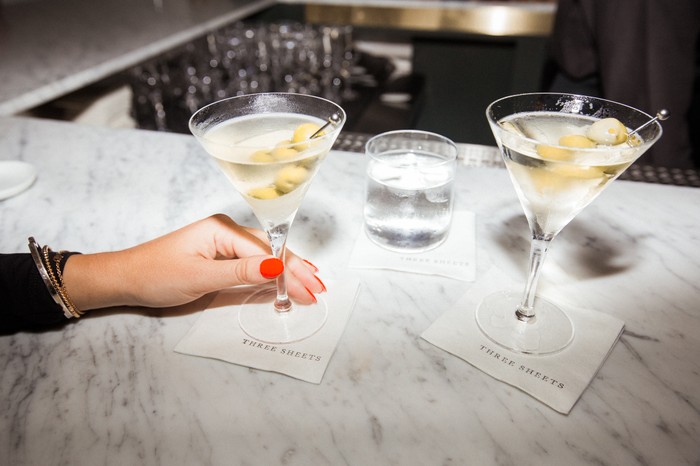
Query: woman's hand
[206,256]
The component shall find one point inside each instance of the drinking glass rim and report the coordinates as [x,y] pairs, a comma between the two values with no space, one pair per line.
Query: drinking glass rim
[445,159]
[327,134]
[584,150]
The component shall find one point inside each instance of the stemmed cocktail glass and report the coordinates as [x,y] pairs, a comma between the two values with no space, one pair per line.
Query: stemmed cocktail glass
[561,150]
[270,146]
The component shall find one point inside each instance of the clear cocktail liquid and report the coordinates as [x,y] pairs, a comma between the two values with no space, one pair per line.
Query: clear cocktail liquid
[409,200]
[284,178]
[555,184]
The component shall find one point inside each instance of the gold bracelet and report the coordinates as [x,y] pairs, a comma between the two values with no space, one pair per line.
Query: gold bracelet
[57,258]
[34,250]
[68,303]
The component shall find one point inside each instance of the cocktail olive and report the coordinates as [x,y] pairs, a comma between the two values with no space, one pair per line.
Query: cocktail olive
[608,131]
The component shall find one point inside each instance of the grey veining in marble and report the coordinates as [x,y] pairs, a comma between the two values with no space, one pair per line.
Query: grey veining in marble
[49,48]
[110,390]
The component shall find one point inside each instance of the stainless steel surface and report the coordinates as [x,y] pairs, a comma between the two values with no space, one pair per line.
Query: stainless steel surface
[502,19]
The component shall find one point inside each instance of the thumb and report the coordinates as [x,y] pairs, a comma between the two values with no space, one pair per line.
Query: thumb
[250,270]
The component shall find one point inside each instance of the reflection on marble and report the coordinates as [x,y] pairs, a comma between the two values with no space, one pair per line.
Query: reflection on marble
[110,390]
[49,48]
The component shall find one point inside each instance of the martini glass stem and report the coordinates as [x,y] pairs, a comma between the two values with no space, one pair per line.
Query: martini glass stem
[278,239]
[538,252]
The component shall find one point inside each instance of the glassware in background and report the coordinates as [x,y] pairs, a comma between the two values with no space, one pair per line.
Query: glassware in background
[561,151]
[240,59]
[270,147]
[409,194]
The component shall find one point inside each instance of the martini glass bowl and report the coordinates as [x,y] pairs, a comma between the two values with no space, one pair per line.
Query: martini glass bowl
[561,151]
[270,146]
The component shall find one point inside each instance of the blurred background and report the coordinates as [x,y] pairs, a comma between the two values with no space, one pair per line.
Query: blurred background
[430,65]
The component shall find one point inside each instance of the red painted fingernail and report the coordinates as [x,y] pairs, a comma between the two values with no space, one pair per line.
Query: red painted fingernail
[270,268]
[322,285]
[312,265]
[311,294]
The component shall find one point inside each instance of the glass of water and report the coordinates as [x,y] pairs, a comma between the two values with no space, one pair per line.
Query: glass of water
[410,178]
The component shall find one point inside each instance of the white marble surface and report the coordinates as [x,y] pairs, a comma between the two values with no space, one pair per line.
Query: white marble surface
[49,48]
[110,390]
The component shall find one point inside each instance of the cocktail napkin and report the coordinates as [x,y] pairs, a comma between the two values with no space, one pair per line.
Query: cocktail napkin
[455,258]
[559,379]
[217,335]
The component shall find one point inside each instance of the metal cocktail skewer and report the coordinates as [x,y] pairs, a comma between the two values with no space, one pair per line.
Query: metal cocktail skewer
[661,115]
[335,118]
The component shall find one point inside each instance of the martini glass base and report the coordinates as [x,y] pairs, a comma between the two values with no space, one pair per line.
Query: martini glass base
[549,332]
[260,321]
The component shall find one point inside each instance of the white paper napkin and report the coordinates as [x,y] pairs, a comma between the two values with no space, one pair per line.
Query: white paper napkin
[218,335]
[559,379]
[455,258]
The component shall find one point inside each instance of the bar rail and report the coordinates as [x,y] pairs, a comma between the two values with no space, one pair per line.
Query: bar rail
[488,156]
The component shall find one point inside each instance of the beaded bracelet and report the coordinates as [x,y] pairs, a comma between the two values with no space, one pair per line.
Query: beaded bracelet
[53,281]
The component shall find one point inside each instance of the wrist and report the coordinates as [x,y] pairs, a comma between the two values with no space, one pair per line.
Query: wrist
[96,281]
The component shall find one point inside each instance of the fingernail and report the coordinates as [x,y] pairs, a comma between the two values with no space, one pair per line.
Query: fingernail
[270,268]
[322,285]
[311,294]
[312,265]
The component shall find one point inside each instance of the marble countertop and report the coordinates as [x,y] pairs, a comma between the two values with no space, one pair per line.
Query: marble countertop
[110,390]
[49,48]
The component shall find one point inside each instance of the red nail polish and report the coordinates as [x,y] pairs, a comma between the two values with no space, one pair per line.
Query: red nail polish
[312,265]
[271,268]
[322,285]
[311,294]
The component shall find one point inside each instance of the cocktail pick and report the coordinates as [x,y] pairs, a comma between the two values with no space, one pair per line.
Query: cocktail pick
[334,119]
[661,115]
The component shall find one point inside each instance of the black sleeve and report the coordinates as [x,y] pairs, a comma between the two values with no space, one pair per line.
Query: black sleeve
[26,303]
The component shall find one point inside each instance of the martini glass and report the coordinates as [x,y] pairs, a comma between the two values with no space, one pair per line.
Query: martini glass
[561,151]
[270,146]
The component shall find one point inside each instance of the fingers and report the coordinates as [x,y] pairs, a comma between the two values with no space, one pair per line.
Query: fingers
[232,240]
[302,282]
[305,273]
[249,247]
[253,270]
